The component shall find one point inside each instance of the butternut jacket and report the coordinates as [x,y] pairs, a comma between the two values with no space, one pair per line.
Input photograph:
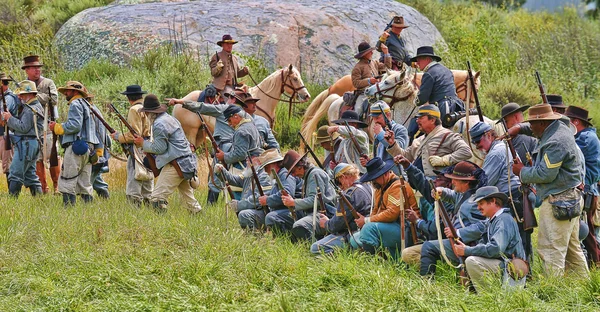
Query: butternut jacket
[138,121]
[229,73]
[366,69]
[388,201]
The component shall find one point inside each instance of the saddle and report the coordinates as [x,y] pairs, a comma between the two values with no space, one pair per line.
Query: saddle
[350,103]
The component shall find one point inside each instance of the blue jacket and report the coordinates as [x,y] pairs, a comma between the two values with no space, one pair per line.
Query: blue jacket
[588,142]
[169,141]
[467,207]
[557,165]
[266,134]
[499,237]
[223,133]
[314,177]
[23,123]
[250,194]
[79,123]
[495,167]
[397,48]
[290,183]
[245,139]
[437,83]
[12,101]
[360,196]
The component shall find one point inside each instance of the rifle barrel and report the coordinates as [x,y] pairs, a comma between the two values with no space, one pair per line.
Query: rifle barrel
[472,80]
[312,153]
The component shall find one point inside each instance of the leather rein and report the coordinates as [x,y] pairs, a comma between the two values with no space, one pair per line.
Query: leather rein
[393,99]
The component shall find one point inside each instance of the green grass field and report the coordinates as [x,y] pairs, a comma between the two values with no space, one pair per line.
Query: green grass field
[109,256]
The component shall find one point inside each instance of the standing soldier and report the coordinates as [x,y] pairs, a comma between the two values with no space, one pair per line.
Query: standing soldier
[174,157]
[512,114]
[79,139]
[224,66]
[556,174]
[26,127]
[588,142]
[11,101]
[48,97]
[137,191]
[365,72]
[437,86]
[396,44]
[101,164]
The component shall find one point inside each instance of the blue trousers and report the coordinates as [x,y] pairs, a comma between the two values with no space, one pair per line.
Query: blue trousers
[252,219]
[376,235]
[98,182]
[328,244]
[280,221]
[22,168]
[430,254]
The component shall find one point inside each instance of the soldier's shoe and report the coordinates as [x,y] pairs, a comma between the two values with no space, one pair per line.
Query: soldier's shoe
[69,199]
[87,198]
[160,206]
[103,194]
[213,197]
[134,201]
[196,209]
[14,188]
[36,190]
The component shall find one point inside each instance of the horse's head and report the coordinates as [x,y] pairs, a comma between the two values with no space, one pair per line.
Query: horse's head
[293,85]
[395,86]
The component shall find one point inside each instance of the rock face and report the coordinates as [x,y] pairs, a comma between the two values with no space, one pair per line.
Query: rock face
[318,36]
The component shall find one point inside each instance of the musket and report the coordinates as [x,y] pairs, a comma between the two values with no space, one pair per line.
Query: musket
[213,142]
[315,213]
[354,141]
[257,181]
[538,79]
[312,153]
[389,25]
[472,81]
[529,219]
[53,116]
[353,211]
[409,204]
[227,186]
[448,223]
[284,192]
[7,143]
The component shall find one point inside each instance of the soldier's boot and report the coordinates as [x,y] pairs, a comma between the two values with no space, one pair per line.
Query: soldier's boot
[36,190]
[160,206]
[40,171]
[146,202]
[69,199]
[103,193]
[87,198]
[14,188]
[134,201]
[55,174]
[212,197]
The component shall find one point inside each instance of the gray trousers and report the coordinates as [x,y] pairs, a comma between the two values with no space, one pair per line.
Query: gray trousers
[253,219]
[76,174]
[135,189]
[303,228]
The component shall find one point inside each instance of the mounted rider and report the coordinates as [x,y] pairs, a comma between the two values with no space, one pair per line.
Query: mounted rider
[437,86]
[224,67]
[396,45]
[365,73]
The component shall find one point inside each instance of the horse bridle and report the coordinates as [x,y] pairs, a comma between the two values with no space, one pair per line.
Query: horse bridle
[393,99]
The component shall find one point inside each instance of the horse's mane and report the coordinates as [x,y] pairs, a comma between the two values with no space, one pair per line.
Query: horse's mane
[269,83]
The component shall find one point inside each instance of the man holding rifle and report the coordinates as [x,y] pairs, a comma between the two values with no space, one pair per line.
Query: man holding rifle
[11,101]
[48,97]
[79,139]
[382,119]
[174,158]
[26,131]
[357,203]
[355,141]
[396,44]
[137,191]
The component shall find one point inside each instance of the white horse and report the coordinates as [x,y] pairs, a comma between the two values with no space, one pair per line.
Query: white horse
[400,92]
[283,81]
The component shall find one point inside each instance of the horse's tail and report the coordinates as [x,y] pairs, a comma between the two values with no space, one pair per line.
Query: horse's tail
[310,124]
[314,107]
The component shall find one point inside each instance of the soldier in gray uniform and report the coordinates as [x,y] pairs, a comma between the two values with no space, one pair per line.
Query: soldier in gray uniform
[437,86]
[12,100]
[26,130]
[79,138]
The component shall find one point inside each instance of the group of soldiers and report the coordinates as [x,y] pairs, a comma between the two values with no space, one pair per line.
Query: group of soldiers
[384,199]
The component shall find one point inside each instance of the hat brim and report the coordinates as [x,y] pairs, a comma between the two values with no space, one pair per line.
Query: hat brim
[554,116]
[400,25]
[331,138]
[457,177]
[63,89]
[520,109]
[161,109]
[220,43]
[587,121]
[561,105]
[370,176]
[131,93]
[433,56]
[296,163]
[499,195]
[270,161]
[32,65]
[342,122]
[361,54]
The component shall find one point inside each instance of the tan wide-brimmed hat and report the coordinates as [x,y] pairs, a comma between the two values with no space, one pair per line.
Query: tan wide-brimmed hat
[541,112]
[399,22]
[31,61]
[26,86]
[323,136]
[74,85]
[268,157]
[3,77]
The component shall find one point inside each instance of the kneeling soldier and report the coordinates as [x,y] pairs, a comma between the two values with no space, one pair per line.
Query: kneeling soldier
[499,242]
[174,157]
[26,126]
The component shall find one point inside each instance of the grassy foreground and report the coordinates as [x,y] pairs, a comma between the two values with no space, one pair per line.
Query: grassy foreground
[109,256]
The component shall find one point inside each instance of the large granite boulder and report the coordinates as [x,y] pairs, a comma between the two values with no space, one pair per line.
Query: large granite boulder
[318,36]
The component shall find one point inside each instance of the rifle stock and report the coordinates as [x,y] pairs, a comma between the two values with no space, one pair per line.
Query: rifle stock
[540,84]
[257,181]
[7,143]
[53,116]
[284,192]
[410,203]
[472,81]
[312,153]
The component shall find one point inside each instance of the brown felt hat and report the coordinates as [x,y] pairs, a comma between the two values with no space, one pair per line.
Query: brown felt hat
[323,136]
[464,170]
[74,85]
[399,22]
[31,61]
[542,112]
[363,48]
[152,105]
[578,113]
[226,39]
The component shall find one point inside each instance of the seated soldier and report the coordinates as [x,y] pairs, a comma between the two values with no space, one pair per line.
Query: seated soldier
[381,230]
[381,114]
[280,219]
[466,178]
[499,242]
[366,72]
[251,215]
[348,152]
[331,144]
[343,224]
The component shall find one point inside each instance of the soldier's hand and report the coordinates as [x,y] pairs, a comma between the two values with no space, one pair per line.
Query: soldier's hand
[517,167]
[448,232]
[323,220]
[514,130]
[364,160]
[220,65]
[6,115]
[373,80]
[51,125]
[459,248]
[115,135]
[390,137]
[174,101]
[412,216]
[384,48]
[401,160]
[438,161]
[246,69]
[220,155]
[360,222]
[377,128]
[288,201]
[219,168]
[138,140]
[263,200]
[332,129]
[437,192]
[384,36]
